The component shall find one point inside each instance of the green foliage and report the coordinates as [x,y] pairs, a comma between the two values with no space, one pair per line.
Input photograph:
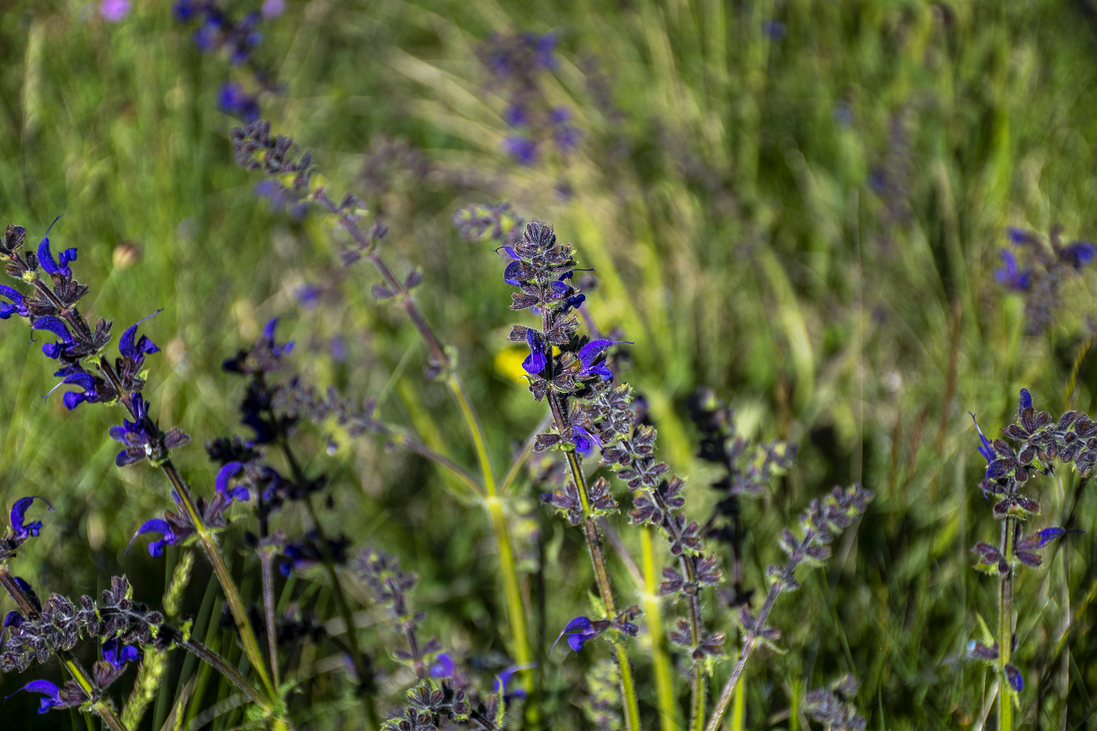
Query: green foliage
[807,222]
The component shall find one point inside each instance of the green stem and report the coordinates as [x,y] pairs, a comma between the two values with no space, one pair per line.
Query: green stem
[1005,628]
[228,585]
[664,685]
[515,607]
[266,562]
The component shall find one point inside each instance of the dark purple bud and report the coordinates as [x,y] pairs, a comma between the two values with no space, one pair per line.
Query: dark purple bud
[1013,675]
[1078,254]
[1026,399]
[18,513]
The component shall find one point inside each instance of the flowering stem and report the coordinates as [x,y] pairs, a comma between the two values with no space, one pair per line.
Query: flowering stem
[224,576]
[598,559]
[1005,627]
[750,639]
[439,357]
[696,623]
[104,709]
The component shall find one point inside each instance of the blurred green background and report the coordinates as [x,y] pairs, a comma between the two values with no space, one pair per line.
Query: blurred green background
[799,204]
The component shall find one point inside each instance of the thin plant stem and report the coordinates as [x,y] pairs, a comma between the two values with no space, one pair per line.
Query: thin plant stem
[515,606]
[1005,626]
[523,455]
[266,561]
[228,585]
[750,640]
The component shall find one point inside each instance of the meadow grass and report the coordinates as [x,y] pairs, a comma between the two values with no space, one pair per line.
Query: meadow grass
[805,219]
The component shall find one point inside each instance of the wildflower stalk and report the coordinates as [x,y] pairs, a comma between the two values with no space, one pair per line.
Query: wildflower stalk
[1005,625]
[79,674]
[749,643]
[439,357]
[228,585]
[598,559]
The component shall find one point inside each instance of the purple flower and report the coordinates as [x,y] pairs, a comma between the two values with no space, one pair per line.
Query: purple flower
[1018,236]
[18,514]
[137,349]
[232,99]
[522,149]
[16,308]
[579,630]
[58,328]
[1078,254]
[51,692]
[585,442]
[225,474]
[118,655]
[538,353]
[1047,535]
[515,115]
[502,680]
[1013,676]
[512,272]
[986,450]
[775,29]
[45,257]
[443,666]
[157,525]
[83,379]
[114,10]
[1011,275]
[587,355]
[268,332]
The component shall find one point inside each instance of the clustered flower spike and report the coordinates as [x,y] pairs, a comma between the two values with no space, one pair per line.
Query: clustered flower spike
[515,61]
[1047,264]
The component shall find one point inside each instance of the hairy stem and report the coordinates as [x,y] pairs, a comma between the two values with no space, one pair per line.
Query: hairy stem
[228,585]
[601,573]
[209,544]
[266,561]
[1005,628]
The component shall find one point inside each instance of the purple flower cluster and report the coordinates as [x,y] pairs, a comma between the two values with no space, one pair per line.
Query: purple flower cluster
[217,31]
[1041,270]
[515,61]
